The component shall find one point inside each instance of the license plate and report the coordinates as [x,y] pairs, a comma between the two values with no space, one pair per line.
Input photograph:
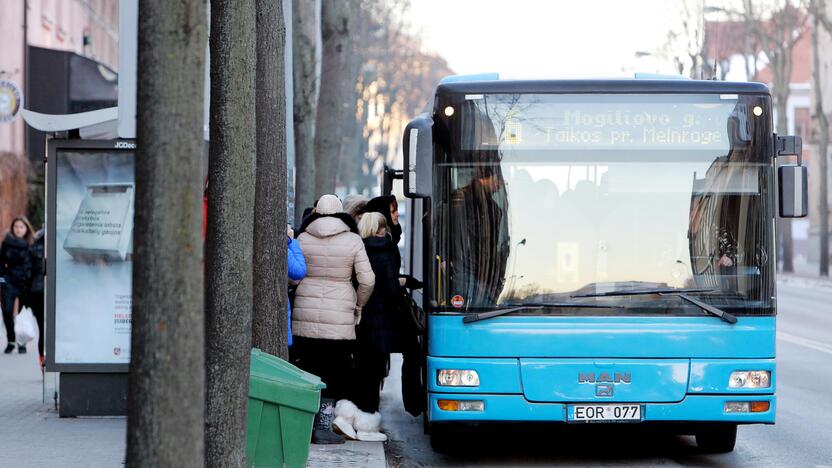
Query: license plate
[604,413]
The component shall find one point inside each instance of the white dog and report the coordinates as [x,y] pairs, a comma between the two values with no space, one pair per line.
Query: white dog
[355,424]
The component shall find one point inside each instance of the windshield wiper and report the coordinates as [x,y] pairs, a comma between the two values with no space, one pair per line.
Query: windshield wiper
[641,292]
[532,306]
[681,292]
[728,317]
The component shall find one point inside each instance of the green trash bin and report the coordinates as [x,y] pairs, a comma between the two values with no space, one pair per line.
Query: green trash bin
[282,402]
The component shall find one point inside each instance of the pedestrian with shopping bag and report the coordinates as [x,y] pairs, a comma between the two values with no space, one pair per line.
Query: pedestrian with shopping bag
[16,273]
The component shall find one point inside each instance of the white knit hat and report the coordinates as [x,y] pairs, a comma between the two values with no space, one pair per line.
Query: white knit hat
[329,204]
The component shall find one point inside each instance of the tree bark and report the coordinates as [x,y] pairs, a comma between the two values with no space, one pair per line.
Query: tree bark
[231,173]
[823,150]
[784,225]
[337,99]
[166,412]
[269,327]
[306,15]
[777,35]
[349,159]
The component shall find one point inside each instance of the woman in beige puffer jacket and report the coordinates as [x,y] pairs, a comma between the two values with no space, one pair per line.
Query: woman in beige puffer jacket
[327,305]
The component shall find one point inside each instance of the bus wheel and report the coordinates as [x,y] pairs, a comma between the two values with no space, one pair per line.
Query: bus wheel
[717,438]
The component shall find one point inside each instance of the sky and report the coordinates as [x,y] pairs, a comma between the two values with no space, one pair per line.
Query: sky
[545,38]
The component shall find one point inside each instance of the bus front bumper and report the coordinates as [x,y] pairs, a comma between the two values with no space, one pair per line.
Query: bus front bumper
[515,408]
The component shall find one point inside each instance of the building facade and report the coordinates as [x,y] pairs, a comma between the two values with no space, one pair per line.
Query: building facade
[738,58]
[86,27]
[825,84]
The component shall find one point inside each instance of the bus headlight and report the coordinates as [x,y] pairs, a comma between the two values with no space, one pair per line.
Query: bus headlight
[457,378]
[750,379]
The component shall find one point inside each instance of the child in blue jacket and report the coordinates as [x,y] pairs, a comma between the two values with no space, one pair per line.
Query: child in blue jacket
[297,268]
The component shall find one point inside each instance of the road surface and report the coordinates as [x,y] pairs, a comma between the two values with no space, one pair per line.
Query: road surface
[801,437]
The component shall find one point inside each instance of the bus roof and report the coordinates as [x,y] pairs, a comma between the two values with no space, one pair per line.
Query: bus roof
[602,86]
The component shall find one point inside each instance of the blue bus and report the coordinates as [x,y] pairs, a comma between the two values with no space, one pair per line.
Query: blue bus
[599,251]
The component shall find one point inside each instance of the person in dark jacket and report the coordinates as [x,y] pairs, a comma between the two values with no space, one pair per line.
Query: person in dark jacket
[412,361]
[36,288]
[389,208]
[16,273]
[379,332]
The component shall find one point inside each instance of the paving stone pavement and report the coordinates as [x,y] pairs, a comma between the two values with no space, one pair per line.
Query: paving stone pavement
[31,433]
[33,436]
[348,455]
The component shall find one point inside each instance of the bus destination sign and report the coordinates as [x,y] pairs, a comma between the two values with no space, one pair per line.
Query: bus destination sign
[684,126]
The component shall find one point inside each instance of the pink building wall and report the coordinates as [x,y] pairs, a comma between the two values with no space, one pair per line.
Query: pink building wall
[54,24]
[11,68]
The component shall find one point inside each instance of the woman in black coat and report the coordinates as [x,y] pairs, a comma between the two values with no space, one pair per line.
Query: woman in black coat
[409,344]
[389,208]
[379,332]
[16,272]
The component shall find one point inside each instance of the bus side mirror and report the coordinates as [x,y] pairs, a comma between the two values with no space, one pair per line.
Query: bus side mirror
[418,153]
[793,196]
[792,180]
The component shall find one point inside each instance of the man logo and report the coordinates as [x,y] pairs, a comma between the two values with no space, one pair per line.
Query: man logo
[604,377]
[604,382]
[604,390]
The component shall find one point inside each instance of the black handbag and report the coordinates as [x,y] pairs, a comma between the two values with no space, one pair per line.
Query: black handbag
[417,317]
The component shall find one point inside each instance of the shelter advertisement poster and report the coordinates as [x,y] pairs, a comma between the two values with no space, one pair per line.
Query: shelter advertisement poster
[93,256]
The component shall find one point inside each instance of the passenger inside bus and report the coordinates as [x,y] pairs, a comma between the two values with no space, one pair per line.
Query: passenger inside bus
[479,212]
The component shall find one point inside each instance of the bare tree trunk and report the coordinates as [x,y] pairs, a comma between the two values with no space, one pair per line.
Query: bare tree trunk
[305,69]
[784,225]
[269,327]
[777,33]
[337,98]
[231,173]
[167,349]
[349,161]
[823,151]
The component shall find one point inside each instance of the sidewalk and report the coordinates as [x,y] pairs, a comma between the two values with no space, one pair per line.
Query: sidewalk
[32,435]
[352,453]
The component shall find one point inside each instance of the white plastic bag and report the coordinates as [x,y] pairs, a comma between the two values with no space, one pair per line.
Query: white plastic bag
[25,326]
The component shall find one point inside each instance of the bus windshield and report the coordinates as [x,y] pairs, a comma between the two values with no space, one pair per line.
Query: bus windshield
[544,197]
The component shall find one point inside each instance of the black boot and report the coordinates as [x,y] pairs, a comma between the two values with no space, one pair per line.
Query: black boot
[9,349]
[322,428]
